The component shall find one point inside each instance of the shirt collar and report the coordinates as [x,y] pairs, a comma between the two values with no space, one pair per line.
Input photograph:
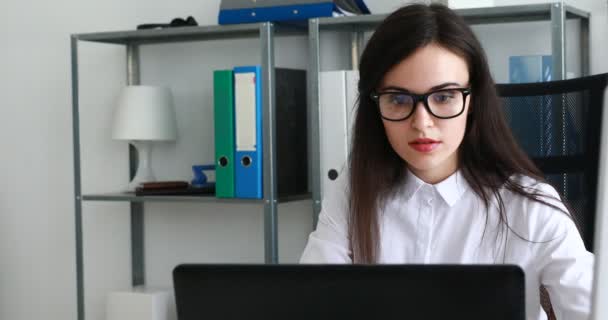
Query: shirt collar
[412,185]
[450,189]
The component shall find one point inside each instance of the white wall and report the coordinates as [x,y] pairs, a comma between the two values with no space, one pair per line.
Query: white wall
[37,264]
[37,278]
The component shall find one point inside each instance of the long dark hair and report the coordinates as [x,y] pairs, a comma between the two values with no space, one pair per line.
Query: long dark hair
[487,163]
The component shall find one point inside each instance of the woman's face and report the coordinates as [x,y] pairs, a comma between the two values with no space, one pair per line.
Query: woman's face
[429,145]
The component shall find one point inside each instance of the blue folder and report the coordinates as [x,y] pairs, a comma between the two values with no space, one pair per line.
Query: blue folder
[276,13]
[248,132]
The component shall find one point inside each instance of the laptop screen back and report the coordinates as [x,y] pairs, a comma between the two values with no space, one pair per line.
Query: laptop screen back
[226,292]
[600,289]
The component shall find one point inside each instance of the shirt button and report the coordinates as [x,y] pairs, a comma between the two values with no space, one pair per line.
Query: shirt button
[429,201]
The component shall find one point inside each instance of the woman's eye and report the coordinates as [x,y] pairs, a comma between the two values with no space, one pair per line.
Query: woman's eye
[400,99]
[442,97]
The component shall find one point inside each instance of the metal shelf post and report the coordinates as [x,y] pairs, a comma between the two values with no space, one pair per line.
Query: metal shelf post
[271,248]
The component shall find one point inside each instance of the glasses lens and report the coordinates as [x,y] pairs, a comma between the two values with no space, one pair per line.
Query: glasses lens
[446,103]
[395,105]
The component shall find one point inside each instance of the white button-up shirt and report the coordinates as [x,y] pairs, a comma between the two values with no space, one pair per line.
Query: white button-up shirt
[445,223]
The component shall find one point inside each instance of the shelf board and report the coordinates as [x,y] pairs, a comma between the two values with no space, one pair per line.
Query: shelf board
[131,197]
[521,13]
[184,34]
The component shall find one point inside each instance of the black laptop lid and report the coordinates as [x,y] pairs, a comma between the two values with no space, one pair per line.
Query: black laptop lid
[227,292]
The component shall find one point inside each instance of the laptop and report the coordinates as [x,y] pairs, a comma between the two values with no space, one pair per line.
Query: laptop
[431,292]
[600,281]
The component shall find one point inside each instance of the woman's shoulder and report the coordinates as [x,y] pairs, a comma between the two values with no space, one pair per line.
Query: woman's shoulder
[540,209]
[536,188]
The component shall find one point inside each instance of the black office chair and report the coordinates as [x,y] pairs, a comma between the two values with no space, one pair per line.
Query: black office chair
[558,125]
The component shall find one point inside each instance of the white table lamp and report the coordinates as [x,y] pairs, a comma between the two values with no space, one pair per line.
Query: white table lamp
[144,114]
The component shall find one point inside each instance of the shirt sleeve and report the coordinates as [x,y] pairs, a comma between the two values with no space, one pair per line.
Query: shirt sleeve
[329,243]
[565,266]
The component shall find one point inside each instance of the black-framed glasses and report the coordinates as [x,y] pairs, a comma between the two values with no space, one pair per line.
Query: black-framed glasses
[398,105]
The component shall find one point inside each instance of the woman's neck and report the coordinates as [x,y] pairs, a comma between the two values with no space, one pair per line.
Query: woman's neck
[433,176]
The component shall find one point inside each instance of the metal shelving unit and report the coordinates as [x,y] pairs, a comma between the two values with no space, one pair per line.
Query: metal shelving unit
[555,13]
[134,40]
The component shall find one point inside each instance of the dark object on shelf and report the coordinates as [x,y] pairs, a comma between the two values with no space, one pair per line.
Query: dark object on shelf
[208,190]
[291,139]
[177,22]
[164,185]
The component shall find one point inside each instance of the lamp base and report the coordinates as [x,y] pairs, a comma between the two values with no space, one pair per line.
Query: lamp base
[144,170]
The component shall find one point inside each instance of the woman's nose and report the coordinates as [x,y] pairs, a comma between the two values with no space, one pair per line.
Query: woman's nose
[421,118]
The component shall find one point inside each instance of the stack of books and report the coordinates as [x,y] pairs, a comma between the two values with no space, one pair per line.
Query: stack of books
[173,188]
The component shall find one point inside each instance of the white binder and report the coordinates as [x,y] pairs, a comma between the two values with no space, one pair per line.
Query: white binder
[338,95]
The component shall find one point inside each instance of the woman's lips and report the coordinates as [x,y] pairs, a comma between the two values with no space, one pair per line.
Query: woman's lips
[424,145]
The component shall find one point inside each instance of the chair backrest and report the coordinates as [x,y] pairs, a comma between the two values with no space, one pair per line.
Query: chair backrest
[558,124]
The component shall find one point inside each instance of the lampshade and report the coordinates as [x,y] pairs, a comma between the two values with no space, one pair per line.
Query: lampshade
[145,113]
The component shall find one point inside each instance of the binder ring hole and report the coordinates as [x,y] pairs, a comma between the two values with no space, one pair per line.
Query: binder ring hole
[332,174]
[246,161]
[223,162]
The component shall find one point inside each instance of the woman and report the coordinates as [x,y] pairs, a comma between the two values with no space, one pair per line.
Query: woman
[435,175]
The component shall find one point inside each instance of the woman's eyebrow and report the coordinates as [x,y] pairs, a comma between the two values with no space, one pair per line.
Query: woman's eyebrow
[437,87]
[393,88]
[443,85]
